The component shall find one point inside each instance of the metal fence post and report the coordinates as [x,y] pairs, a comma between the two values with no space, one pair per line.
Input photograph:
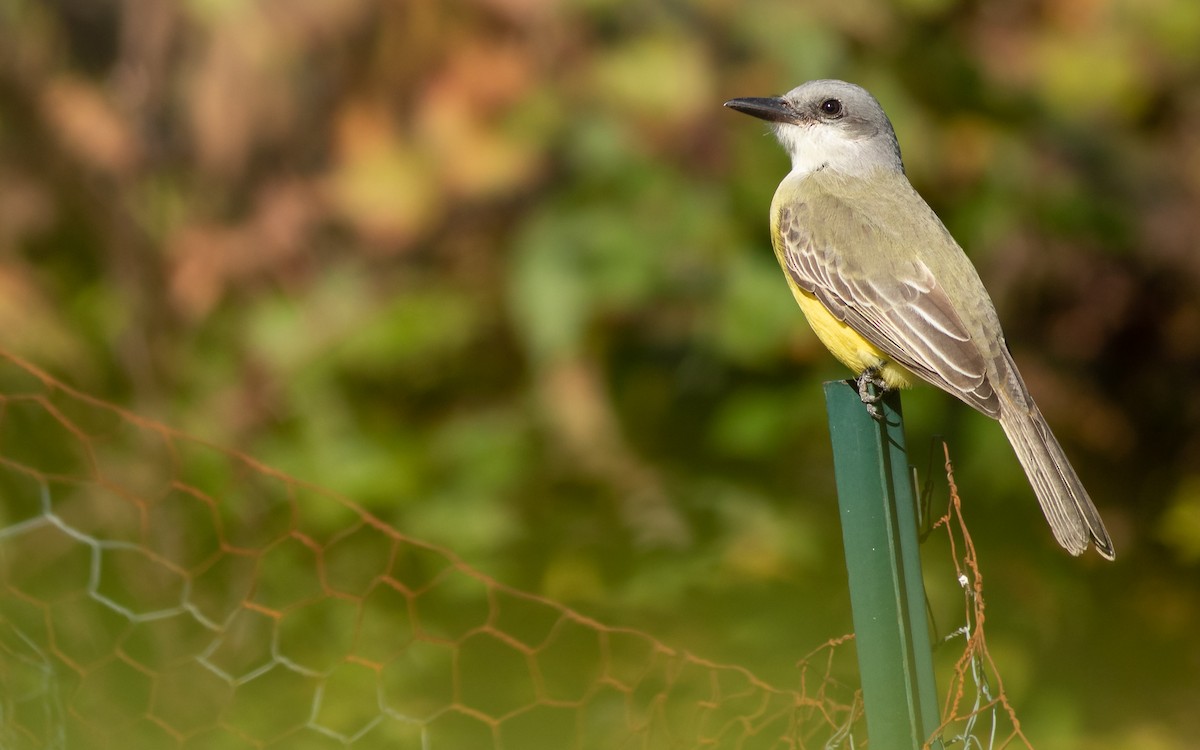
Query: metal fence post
[887,593]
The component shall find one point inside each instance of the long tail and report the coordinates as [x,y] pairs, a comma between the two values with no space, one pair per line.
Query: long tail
[1072,516]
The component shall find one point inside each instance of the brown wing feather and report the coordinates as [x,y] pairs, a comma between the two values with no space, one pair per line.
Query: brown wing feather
[899,307]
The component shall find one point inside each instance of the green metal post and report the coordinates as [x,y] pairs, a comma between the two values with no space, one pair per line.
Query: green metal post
[887,593]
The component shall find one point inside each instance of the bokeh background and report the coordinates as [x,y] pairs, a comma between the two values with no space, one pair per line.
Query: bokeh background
[499,271]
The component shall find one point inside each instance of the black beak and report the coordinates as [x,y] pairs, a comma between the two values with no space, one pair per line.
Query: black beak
[770,108]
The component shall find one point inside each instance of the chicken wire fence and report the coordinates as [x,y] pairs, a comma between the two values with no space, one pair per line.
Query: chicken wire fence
[160,592]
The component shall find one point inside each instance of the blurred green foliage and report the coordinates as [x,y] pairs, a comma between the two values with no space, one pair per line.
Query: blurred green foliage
[499,271]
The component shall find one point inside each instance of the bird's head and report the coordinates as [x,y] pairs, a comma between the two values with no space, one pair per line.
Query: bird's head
[829,124]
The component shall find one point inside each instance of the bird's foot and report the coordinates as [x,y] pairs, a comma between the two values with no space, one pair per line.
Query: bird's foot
[870,377]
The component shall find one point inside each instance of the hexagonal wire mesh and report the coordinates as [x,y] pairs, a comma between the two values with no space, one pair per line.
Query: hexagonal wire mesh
[197,599]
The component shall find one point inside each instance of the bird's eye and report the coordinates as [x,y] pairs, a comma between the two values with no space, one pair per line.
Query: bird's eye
[831,107]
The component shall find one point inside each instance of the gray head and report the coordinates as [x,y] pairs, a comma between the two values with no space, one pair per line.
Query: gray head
[829,124]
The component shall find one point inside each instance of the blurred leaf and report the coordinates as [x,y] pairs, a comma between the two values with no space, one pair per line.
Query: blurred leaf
[1180,525]
[478,460]
[383,185]
[1086,75]
[760,544]
[1173,26]
[483,122]
[547,292]
[756,314]
[573,265]
[660,77]
[401,336]
[791,34]
[89,125]
[573,578]
[750,423]
[219,10]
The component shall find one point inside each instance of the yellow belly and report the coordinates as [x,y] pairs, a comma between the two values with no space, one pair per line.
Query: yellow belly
[847,345]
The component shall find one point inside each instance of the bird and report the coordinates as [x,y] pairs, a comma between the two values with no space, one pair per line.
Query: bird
[891,294]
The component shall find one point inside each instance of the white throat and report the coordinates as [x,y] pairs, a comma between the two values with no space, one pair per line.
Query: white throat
[818,146]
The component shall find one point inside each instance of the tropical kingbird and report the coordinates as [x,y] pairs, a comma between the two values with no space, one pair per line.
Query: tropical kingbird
[888,290]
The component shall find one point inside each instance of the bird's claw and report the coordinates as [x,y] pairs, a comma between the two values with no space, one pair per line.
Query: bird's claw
[870,377]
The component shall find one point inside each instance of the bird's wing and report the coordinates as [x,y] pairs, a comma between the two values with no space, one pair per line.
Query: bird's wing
[897,305]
